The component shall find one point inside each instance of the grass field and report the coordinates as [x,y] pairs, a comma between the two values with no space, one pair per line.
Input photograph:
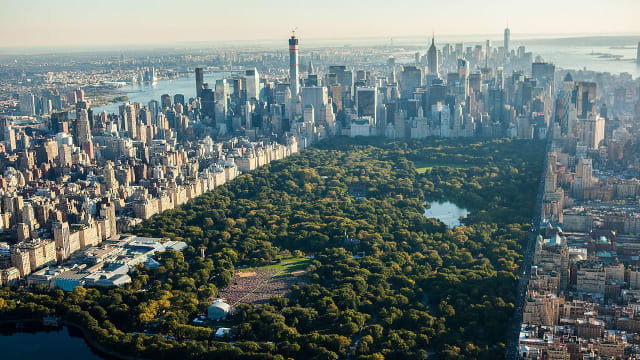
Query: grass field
[423,166]
[284,267]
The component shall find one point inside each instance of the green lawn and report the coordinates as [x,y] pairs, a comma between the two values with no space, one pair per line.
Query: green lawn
[423,166]
[284,267]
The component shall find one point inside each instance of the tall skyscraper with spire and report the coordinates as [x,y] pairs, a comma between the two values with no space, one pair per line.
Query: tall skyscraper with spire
[507,37]
[432,57]
[312,69]
[293,65]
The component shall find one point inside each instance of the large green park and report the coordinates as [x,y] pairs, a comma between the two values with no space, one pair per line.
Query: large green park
[380,279]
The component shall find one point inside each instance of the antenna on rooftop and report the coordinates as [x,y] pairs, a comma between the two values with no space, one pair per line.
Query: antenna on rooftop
[293,32]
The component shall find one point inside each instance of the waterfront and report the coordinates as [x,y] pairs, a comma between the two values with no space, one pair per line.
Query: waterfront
[580,56]
[39,343]
[446,212]
[591,58]
[143,93]
[610,54]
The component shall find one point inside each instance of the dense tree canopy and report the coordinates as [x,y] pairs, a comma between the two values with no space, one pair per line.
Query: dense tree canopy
[405,286]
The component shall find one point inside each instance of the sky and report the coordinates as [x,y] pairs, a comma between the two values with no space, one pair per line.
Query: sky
[34,23]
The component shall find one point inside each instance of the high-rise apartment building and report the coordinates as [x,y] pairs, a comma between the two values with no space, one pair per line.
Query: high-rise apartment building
[129,121]
[293,66]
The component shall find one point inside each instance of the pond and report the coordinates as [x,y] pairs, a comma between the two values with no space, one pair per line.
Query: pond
[446,212]
[35,342]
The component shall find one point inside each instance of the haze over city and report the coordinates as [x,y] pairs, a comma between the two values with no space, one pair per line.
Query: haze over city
[100,23]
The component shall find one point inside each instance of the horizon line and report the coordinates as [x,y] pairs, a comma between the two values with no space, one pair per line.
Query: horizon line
[182,43]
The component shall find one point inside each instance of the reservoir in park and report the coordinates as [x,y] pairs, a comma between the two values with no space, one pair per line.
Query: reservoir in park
[446,212]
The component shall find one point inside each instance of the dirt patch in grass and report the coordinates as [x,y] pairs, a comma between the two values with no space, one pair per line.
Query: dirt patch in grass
[246,274]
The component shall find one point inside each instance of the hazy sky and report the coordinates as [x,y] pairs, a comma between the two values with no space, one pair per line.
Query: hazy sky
[111,22]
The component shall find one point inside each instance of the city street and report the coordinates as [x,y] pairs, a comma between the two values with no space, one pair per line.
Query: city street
[516,320]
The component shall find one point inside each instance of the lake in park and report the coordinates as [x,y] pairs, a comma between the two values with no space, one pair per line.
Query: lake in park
[446,212]
[37,343]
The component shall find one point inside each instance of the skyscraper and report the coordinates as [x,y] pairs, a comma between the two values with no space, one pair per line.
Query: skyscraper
[252,79]
[463,74]
[411,78]
[9,134]
[312,69]
[80,95]
[82,129]
[367,102]
[165,101]
[317,96]
[487,53]
[293,65]
[208,104]
[585,98]
[567,111]
[58,119]
[27,104]
[507,37]
[178,99]
[199,81]
[432,57]
[221,95]
[345,79]
[153,108]
[544,73]
[593,131]
[129,120]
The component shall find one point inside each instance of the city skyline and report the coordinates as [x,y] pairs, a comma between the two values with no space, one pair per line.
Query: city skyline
[72,23]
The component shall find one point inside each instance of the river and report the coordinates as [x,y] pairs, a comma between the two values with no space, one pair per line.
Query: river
[143,93]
